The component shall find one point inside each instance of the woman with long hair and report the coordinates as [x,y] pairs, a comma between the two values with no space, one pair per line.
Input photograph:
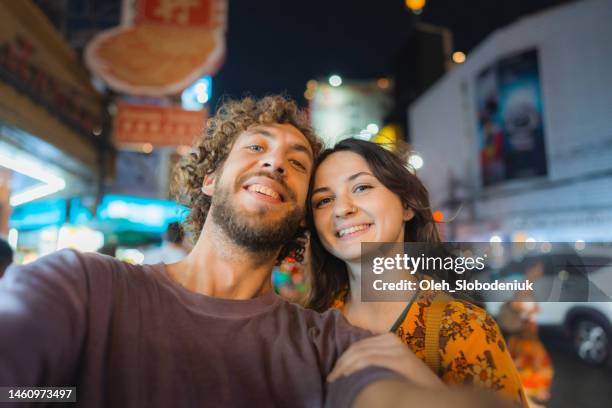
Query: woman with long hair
[362,192]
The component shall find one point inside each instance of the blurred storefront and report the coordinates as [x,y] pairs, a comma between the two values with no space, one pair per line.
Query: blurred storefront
[339,110]
[52,144]
[517,139]
[92,171]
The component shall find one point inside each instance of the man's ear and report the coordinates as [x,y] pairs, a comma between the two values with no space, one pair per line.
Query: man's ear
[208,186]
[408,214]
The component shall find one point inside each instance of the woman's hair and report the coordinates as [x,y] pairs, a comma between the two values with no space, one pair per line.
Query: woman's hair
[329,276]
[213,146]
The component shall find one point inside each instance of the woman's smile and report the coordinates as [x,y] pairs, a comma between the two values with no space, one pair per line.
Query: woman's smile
[349,232]
[350,206]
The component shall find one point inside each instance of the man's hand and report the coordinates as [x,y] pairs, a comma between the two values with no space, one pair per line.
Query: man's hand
[388,351]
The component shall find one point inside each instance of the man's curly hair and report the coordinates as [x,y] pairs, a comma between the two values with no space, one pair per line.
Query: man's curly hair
[212,147]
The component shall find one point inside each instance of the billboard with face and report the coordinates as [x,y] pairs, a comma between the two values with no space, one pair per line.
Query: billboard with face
[510,123]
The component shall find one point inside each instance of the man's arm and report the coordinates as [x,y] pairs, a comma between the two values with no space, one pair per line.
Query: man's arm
[397,394]
[43,320]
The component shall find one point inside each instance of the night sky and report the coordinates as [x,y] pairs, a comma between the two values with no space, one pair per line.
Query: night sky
[277,45]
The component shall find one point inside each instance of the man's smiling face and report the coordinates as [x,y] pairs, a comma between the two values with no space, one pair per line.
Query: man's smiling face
[258,197]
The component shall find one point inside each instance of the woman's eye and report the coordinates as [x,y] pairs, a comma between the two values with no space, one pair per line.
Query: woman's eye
[322,202]
[361,188]
[255,148]
[298,164]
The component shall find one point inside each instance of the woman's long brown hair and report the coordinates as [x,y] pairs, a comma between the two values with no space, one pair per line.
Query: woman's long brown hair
[329,276]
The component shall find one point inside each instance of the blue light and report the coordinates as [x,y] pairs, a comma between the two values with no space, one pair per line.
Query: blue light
[145,213]
[38,214]
[197,94]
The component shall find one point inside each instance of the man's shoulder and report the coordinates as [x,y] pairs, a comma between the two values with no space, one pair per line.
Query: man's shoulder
[73,260]
[72,265]
[331,323]
[312,316]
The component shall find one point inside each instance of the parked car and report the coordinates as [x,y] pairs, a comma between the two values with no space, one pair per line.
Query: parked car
[575,292]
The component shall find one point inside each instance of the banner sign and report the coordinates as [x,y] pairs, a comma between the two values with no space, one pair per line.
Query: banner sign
[45,70]
[168,45]
[159,126]
[510,123]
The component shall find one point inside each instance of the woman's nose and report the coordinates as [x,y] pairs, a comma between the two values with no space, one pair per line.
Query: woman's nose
[345,208]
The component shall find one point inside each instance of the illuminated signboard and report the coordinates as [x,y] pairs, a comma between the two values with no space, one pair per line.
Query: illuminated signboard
[142,213]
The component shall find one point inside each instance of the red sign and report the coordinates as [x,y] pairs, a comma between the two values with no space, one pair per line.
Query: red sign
[199,13]
[160,126]
[168,45]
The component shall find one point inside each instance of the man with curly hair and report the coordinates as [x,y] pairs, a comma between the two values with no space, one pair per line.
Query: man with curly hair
[208,330]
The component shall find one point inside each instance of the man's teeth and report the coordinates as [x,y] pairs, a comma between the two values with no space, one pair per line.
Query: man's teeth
[264,190]
[356,228]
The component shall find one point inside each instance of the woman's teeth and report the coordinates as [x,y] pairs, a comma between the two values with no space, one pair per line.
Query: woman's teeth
[258,188]
[350,230]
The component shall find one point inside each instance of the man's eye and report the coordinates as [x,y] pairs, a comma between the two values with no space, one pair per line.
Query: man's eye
[298,164]
[322,202]
[255,148]
[361,188]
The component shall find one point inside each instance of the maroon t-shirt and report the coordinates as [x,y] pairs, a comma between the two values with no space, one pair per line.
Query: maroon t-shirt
[129,336]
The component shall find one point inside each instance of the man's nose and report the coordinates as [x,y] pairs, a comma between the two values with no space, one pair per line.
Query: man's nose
[275,161]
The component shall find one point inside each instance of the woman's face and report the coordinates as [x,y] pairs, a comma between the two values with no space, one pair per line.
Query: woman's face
[351,206]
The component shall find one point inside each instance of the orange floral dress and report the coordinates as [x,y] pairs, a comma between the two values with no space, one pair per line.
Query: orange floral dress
[472,349]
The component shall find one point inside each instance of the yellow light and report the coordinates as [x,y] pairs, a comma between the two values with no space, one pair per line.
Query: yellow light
[458,57]
[387,136]
[438,216]
[519,236]
[147,148]
[312,84]
[383,83]
[415,5]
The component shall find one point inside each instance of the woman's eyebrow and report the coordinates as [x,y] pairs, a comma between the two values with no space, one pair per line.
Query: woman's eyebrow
[320,190]
[350,178]
[361,173]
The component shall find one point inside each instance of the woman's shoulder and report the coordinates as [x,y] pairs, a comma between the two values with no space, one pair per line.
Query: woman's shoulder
[471,346]
[453,309]
[462,321]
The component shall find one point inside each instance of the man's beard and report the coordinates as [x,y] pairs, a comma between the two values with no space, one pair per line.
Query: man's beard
[253,236]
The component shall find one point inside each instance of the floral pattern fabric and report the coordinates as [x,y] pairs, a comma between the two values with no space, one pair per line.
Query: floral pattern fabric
[472,348]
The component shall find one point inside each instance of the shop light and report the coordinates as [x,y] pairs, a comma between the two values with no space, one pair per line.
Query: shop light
[415,161]
[13,237]
[335,80]
[82,238]
[495,239]
[130,255]
[530,243]
[372,128]
[458,57]
[197,94]
[52,183]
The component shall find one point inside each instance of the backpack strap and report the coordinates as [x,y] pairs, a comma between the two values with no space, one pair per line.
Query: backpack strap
[435,314]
